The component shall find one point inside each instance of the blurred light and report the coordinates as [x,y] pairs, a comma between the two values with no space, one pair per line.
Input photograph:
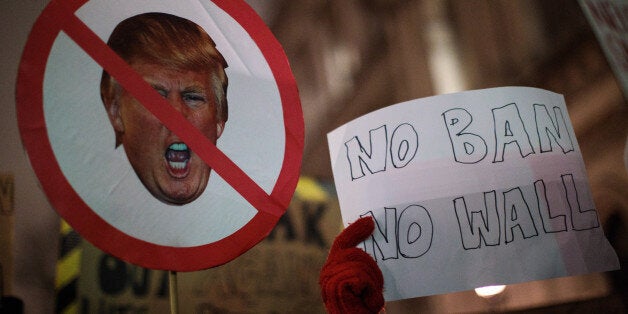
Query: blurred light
[340,62]
[443,55]
[489,291]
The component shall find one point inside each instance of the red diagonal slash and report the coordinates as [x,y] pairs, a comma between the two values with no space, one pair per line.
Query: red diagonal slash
[133,83]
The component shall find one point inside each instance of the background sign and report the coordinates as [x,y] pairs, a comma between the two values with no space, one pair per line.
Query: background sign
[71,144]
[470,189]
[609,19]
[293,253]
[7,193]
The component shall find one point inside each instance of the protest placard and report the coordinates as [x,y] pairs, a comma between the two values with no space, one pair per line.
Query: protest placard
[161,182]
[470,189]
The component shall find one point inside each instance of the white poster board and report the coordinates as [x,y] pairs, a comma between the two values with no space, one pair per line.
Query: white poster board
[470,189]
[178,198]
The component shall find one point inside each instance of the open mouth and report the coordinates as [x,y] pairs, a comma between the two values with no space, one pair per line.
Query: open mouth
[178,159]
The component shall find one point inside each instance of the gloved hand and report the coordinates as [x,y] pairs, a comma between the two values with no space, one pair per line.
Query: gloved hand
[351,281]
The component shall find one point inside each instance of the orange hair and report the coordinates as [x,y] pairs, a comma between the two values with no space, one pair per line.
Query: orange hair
[172,42]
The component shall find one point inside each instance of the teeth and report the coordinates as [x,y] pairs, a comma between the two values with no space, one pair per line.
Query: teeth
[178,146]
[177,165]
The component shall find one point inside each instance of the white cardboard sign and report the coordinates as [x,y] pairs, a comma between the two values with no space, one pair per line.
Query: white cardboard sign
[470,189]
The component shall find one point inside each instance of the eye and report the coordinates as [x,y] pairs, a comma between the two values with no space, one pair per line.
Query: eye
[161,91]
[193,99]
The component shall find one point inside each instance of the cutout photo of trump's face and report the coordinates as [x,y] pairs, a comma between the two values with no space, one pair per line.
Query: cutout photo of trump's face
[180,61]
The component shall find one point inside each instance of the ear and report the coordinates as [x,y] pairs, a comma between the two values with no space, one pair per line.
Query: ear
[220,126]
[112,106]
[114,116]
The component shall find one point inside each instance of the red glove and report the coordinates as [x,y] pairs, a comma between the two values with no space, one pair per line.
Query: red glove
[351,281]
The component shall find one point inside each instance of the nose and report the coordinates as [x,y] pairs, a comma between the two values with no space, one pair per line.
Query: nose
[177,102]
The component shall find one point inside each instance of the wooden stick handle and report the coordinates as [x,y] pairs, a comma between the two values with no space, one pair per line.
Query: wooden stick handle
[174,294]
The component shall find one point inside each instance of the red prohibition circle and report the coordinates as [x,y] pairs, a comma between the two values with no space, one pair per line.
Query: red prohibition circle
[59,16]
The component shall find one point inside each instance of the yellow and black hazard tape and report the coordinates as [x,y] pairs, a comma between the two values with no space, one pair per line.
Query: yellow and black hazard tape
[68,271]
[309,189]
